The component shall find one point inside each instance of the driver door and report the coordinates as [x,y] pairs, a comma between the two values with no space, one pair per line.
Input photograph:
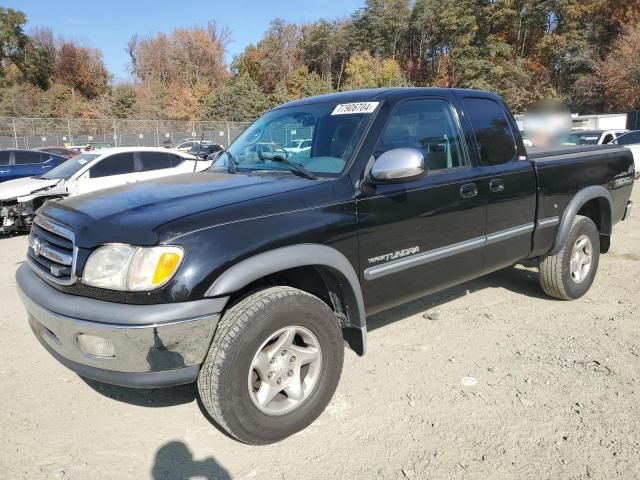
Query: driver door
[425,234]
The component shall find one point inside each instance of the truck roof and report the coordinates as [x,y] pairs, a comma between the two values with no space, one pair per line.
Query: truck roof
[377,94]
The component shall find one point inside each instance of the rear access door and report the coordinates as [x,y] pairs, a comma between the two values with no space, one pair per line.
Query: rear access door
[507,178]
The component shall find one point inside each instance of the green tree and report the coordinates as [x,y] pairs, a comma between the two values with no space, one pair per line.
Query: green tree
[240,100]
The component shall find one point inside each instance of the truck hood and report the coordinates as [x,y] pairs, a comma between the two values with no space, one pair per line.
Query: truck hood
[131,213]
[24,186]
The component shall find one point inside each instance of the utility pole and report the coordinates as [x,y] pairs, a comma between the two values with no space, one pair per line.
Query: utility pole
[15,133]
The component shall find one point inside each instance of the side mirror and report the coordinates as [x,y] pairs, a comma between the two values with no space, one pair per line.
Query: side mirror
[398,165]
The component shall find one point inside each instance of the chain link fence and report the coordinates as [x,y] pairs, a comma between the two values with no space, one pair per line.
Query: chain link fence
[28,133]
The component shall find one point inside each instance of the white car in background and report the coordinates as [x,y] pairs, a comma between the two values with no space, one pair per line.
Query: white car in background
[297,146]
[631,140]
[592,137]
[89,172]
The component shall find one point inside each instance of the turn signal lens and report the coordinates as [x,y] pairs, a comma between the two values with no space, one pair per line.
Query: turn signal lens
[167,264]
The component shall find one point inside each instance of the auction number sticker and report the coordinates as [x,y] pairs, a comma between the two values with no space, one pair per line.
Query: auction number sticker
[350,108]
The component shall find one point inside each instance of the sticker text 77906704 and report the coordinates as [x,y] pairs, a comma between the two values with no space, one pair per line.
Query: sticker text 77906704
[351,108]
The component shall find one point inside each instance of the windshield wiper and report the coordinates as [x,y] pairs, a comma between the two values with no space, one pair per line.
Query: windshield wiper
[232,165]
[295,167]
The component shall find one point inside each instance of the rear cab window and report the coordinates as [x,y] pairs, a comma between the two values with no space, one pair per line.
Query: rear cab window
[492,131]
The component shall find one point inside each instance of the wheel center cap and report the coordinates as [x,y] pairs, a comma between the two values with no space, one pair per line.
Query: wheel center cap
[284,367]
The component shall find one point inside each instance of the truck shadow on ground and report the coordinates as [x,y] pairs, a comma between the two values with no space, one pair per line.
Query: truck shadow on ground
[153,397]
[174,460]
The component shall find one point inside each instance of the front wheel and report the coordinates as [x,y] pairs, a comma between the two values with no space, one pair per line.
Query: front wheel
[273,365]
[568,275]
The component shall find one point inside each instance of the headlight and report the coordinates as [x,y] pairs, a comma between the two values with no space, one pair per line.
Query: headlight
[129,268]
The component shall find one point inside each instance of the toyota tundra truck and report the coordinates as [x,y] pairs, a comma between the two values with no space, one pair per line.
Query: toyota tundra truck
[251,277]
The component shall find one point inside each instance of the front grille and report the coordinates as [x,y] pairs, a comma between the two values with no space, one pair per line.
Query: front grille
[51,252]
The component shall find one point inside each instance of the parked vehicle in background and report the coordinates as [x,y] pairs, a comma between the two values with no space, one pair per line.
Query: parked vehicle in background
[260,152]
[297,146]
[88,172]
[592,137]
[250,277]
[631,140]
[90,146]
[61,151]
[25,163]
[204,150]
[526,141]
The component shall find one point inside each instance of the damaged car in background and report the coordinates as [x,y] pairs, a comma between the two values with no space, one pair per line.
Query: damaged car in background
[85,173]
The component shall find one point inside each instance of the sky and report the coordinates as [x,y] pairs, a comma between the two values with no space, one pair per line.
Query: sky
[109,25]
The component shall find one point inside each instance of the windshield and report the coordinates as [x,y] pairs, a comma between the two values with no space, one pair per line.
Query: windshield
[66,170]
[582,139]
[334,131]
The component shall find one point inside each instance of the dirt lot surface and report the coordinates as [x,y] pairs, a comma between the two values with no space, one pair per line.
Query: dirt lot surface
[557,394]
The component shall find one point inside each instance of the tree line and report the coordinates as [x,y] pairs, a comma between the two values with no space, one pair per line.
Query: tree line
[585,53]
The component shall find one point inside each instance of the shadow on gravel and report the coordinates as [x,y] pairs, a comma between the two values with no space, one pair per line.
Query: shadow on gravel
[153,397]
[516,279]
[175,460]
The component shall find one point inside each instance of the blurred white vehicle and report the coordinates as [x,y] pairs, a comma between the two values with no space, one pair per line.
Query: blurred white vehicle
[297,146]
[592,137]
[89,172]
[631,140]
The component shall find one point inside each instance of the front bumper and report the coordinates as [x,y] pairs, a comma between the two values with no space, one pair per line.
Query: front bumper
[153,345]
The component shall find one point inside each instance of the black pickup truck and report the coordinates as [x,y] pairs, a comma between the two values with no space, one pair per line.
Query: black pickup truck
[250,277]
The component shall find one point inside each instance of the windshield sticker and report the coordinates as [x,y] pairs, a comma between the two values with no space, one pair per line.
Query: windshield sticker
[82,161]
[360,107]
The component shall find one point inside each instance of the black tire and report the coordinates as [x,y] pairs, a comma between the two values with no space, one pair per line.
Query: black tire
[223,379]
[555,270]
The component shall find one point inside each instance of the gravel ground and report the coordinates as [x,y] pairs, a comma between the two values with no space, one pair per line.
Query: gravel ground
[555,395]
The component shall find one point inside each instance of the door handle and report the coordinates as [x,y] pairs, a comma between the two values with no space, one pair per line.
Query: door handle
[4,171]
[468,190]
[496,185]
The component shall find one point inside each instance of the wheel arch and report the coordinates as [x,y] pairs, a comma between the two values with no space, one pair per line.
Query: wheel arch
[593,202]
[331,266]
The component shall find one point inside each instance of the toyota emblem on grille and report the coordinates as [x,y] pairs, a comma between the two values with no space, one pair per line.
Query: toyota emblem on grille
[36,246]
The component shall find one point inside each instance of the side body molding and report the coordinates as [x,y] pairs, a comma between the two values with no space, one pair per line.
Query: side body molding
[578,200]
[267,263]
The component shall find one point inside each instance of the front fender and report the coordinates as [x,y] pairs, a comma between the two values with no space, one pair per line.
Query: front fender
[251,269]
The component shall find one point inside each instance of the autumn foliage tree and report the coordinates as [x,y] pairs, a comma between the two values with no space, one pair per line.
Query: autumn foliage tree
[582,52]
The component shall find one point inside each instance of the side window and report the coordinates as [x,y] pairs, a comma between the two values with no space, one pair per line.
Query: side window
[492,130]
[26,158]
[175,159]
[426,125]
[153,161]
[306,144]
[632,138]
[4,158]
[119,164]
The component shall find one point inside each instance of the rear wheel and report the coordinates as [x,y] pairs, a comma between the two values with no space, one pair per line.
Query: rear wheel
[569,274]
[273,365]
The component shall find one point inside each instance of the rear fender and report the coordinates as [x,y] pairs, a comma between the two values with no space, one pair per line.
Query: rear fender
[577,202]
